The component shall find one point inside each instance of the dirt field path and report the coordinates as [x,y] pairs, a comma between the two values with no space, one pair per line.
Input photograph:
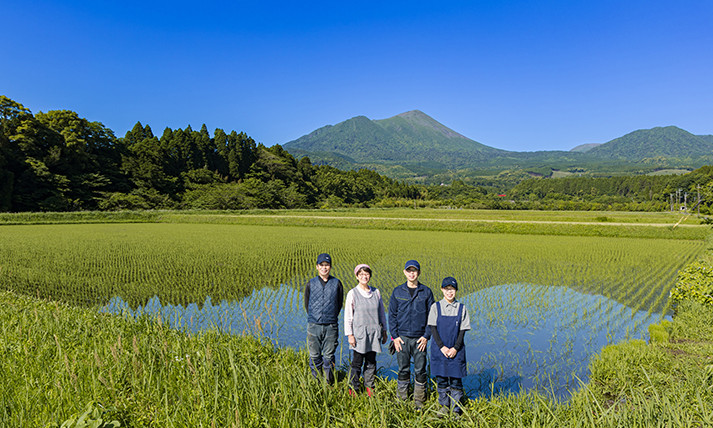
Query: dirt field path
[468,220]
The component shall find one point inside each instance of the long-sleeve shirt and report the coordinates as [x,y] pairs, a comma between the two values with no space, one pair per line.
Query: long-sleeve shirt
[371,293]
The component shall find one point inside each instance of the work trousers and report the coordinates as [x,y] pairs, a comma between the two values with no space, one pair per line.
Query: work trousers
[322,341]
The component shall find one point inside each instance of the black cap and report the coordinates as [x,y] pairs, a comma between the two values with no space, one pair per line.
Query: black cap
[412,263]
[449,281]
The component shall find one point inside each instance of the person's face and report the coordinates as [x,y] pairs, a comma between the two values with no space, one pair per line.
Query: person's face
[324,268]
[363,277]
[449,293]
[411,274]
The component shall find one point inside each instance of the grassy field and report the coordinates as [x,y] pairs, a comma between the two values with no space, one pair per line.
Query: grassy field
[62,358]
[60,362]
[663,218]
[564,223]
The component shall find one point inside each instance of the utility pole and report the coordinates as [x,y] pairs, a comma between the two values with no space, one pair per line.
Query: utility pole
[698,200]
[685,201]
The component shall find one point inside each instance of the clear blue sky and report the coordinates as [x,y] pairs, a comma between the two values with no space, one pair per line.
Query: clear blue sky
[516,75]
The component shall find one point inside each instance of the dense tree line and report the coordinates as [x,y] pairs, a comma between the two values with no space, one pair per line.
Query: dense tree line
[58,161]
[636,192]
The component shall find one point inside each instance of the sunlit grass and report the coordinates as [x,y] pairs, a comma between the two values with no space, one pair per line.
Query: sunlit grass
[58,359]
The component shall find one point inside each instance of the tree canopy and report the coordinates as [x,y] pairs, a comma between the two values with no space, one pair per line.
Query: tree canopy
[59,161]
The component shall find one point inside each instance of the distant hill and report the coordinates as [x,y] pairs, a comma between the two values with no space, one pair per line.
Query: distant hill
[667,142]
[414,146]
[585,147]
[412,137]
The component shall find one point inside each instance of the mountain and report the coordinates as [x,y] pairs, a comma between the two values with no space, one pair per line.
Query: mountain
[412,137]
[584,147]
[414,146]
[708,138]
[667,142]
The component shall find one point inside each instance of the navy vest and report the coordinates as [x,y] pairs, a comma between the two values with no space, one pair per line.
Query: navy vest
[323,307]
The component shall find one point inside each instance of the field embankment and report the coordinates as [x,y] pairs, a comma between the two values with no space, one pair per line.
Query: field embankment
[58,360]
[573,223]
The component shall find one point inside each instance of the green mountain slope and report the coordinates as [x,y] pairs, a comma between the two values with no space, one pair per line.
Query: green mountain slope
[412,137]
[414,146]
[584,147]
[669,142]
[707,138]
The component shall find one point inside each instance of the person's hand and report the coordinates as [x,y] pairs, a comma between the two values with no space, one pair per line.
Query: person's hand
[452,353]
[352,341]
[445,350]
[397,344]
[383,337]
[422,342]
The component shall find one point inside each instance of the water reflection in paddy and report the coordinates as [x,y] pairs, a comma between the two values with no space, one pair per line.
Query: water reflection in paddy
[523,336]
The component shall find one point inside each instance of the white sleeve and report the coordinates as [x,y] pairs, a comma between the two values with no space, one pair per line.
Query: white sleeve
[349,313]
[465,319]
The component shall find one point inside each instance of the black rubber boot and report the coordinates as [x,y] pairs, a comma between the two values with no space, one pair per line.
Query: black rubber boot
[402,389]
[419,395]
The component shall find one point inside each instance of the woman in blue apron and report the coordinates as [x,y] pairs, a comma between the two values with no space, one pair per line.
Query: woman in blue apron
[449,320]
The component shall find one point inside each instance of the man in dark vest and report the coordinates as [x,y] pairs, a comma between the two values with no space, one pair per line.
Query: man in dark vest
[324,296]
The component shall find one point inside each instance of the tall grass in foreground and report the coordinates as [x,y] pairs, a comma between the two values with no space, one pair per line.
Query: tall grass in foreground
[57,359]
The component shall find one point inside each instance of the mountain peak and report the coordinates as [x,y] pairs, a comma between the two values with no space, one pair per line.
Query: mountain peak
[418,118]
[412,135]
[413,114]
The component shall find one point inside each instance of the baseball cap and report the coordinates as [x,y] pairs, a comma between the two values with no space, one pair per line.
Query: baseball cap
[449,281]
[324,257]
[412,263]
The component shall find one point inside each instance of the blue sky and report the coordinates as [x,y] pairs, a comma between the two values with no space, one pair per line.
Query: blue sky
[516,75]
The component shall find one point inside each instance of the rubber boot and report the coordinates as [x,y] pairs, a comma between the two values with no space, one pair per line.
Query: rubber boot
[369,375]
[456,396]
[443,398]
[402,389]
[419,395]
[354,375]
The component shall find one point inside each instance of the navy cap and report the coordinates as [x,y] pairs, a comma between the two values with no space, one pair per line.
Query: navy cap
[324,257]
[412,263]
[449,281]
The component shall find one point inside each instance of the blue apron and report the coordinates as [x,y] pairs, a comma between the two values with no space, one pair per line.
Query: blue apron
[448,328]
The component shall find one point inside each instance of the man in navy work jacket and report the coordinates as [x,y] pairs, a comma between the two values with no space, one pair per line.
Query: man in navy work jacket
[408,317]
[324,296]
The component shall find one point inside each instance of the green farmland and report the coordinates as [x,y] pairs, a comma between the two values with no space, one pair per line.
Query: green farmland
[142,373]
[89,264]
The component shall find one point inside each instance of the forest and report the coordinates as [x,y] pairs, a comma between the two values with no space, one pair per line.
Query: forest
[59,161]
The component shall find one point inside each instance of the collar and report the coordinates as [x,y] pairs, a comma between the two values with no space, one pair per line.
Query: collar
[444,302]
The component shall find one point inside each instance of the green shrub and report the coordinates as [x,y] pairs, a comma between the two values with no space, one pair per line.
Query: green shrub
[695,282]
[658,333]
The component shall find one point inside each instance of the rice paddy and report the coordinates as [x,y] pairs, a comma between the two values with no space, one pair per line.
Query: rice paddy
[540,305]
